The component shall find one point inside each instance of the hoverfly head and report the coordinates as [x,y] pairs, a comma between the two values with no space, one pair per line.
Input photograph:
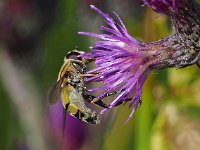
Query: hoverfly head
[74,54]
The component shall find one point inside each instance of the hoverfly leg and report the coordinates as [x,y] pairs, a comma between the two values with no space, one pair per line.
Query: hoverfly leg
[89,98]
[100,103]
[140,101]
[110,94]
[98,100]
[122,102]
[104,96]
[87,60]
[88,75]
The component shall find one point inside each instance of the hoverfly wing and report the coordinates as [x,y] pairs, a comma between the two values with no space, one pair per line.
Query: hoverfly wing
[64,121]
[55,92]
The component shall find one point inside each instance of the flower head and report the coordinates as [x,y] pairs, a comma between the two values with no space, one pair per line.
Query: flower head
[123,63]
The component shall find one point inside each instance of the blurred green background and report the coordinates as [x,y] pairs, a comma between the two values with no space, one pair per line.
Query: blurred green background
[36,35]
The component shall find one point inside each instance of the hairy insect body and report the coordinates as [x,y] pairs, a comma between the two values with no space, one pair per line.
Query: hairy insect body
[70,87]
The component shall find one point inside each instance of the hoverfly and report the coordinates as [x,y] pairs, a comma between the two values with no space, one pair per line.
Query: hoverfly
[71,88]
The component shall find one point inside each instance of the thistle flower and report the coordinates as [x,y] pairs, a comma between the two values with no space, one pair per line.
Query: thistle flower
[123,63]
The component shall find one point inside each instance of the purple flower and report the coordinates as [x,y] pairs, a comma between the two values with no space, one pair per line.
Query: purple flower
[123,63]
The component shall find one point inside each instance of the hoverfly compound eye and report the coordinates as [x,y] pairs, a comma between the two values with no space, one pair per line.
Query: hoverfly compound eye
[74,54]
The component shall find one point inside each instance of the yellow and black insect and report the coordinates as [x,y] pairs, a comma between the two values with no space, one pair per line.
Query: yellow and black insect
[71,88]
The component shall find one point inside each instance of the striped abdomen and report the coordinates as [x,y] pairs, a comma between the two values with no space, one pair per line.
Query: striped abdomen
[74,104]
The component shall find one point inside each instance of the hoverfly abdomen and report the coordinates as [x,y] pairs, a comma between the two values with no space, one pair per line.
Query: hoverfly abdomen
[90,117]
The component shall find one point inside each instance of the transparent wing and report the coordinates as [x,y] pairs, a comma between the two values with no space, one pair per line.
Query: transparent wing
[55,92]
[64,121]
